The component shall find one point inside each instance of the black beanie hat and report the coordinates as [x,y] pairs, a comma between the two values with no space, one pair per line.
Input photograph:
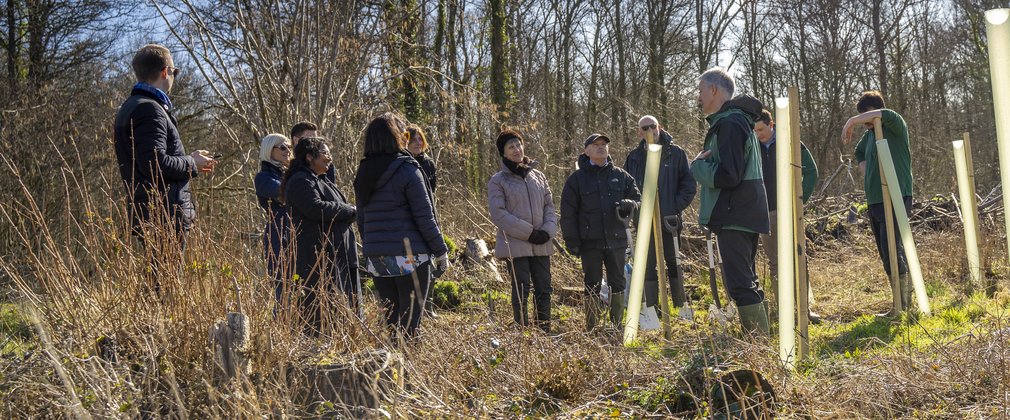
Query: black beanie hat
[504,138]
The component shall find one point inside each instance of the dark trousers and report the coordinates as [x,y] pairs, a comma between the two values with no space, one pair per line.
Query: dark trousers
[652,273]
[527,272]
[593,261]
[402,300]
[275,249]
[332,273]
[158,249]
[738,250]
[879,226]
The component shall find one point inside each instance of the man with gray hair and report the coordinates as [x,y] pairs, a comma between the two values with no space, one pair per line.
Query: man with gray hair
[733,201]
[676,191]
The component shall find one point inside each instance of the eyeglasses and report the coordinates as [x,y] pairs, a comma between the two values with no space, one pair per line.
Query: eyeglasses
[648,127]
[173,70]
[283,147]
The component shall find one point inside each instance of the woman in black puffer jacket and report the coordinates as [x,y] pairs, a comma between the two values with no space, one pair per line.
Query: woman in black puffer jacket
[326,256]
[394,205]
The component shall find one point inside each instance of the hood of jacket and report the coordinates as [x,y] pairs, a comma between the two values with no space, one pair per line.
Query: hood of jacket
[746,103]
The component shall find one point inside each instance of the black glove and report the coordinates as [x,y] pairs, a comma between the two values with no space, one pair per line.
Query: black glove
[539,237]
[627,206]
[574,250]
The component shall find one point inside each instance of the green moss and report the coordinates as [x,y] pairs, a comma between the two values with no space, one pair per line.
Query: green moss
[868,335]
[451,244]
[661,395]
[446,295]
[15,331]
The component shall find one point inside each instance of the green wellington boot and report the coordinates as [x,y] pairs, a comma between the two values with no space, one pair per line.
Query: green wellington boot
[754,318]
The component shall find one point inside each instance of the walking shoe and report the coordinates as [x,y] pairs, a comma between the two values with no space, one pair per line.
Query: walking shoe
[814,318]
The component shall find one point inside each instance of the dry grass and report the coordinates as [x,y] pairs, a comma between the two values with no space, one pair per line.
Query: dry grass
[77,276]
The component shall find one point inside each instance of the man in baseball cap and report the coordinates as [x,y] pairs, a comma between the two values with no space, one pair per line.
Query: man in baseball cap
[595,201]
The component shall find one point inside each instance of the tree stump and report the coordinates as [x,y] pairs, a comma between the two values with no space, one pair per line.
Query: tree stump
[477,254]
[230,341]
[743,394]
[366,380]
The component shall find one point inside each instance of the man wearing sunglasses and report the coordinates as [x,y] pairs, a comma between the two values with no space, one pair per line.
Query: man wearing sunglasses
[152,160]
[676,191]
[307,129]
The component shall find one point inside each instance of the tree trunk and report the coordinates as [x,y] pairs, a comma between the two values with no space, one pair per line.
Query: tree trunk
[499,61]
[12,48]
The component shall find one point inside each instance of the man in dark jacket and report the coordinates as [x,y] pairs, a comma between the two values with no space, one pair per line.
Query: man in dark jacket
[305,130]
[764,129]
[733,202]
[152,160]
[593,198]
[676,190]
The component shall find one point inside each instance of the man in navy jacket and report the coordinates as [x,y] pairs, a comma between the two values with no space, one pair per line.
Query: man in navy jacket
[676,190]
[152,160]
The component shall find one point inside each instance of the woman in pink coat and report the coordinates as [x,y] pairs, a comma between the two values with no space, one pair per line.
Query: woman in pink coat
[522,207]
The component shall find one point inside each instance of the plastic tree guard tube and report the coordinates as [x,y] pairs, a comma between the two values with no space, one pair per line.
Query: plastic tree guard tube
[646,209]
[997,30]
[969,214]
[784,212]
[884,152]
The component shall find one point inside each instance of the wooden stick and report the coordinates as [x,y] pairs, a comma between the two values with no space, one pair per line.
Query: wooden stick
[799,232]
[974,197]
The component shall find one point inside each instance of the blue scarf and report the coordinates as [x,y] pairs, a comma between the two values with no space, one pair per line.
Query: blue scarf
[158,93]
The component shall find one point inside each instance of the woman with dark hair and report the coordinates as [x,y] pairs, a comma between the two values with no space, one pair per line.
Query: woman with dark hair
[522,207]
[395,208]
[275,155]
[326,256]
[417,145]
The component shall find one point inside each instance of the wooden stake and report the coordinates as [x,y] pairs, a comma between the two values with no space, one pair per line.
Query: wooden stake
[799,231]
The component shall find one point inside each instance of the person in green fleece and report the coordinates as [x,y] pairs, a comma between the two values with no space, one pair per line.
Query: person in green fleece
[764,128]
[871,105]
[733,202]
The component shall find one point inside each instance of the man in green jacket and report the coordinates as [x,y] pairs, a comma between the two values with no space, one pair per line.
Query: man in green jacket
[764,128]
[733,201]
[871,106]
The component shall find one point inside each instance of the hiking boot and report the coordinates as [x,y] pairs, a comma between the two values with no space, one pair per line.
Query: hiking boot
[889,314]
[814,318]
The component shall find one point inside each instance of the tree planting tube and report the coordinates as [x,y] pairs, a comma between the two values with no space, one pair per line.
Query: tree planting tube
[969,213]
[646,209]
[661,274]
[784,211]
[997,31]
[884,153]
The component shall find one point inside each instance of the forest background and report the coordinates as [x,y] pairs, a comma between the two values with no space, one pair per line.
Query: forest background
[556,70]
